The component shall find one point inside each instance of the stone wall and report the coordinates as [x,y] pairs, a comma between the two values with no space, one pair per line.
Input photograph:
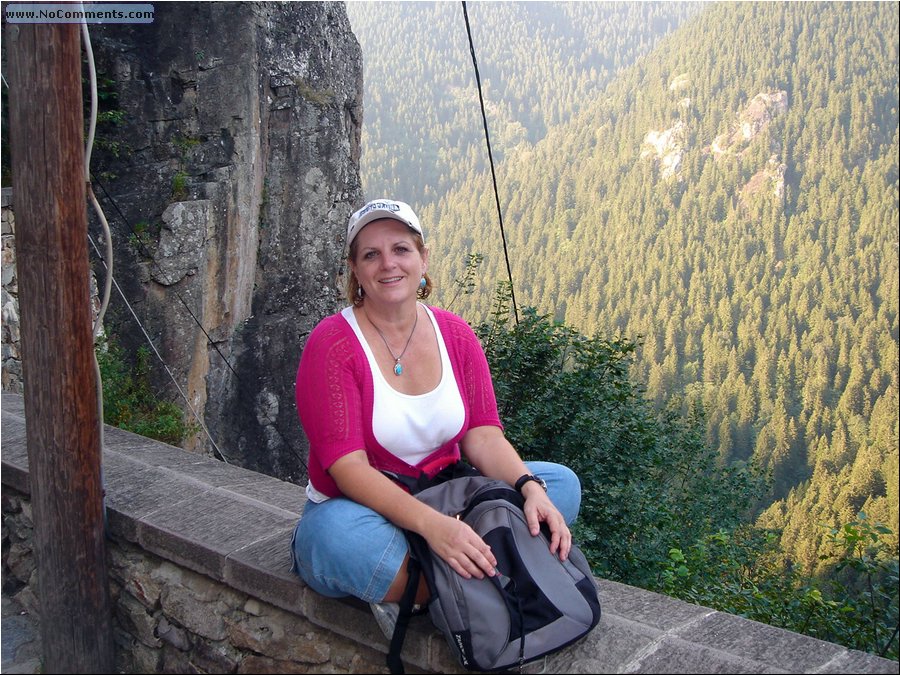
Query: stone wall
[9,302]
[169,619]
[201,582]
[10,339]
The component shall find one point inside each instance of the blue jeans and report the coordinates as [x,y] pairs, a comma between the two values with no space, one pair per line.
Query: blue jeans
[343,548]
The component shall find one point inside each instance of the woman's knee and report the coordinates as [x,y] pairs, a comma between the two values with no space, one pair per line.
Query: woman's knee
[343,548]
[563,487]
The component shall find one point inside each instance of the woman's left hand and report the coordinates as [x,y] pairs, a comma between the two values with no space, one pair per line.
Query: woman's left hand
[539,509]
[488,450]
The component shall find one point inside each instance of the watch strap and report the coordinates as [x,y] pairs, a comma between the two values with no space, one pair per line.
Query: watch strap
[526,478]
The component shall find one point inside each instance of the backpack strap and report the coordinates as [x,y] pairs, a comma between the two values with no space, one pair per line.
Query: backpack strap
[415,484]
[419,551]
[394,662]
[500,581]
[417,566]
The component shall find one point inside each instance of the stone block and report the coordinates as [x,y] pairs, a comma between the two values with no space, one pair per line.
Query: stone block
[613,642]
[202,530]
[280,635]
[440,658]
[215,657]
[132,656]
[760,643]
[134,617]
[253,664]
[677,656]
[653,609]
[267,490]
[859,662]
[349,657]
[133,570]
[173,635]
[13,404]
[264,569]
[200,611]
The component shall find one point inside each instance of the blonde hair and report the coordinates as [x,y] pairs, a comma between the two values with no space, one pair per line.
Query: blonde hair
[355,293]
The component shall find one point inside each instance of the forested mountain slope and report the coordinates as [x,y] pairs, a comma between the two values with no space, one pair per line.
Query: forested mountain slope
[732,197]
[540,63]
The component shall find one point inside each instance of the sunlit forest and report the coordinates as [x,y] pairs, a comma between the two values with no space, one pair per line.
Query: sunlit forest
[718,182]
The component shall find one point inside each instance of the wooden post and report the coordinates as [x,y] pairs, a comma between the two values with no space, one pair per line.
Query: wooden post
[63,431]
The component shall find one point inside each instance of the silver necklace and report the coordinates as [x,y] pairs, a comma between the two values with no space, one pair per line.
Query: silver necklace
[398,367]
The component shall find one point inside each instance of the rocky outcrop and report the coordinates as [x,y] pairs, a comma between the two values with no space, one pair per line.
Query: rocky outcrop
[753,119]
[228,166]
[679,82]
[767,181]
[666,148]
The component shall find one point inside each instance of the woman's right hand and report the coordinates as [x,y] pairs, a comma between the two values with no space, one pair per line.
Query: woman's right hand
[461,547]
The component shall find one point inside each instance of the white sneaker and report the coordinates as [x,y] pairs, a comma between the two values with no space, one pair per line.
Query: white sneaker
[386,614]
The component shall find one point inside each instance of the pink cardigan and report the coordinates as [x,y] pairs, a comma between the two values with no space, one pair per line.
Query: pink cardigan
[335,397]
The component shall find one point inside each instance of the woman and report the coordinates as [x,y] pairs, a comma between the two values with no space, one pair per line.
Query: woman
[389,384]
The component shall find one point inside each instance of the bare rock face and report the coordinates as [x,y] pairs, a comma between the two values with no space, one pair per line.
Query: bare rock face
[667,148]
[228,167]
[754,119]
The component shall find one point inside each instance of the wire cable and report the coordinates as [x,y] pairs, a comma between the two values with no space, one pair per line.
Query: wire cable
[107,235]
[487,138]
[108,261]
[148,255]
[98,322]
[104,303]
[161,360]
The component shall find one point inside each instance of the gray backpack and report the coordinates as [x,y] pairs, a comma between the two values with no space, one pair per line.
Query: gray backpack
[535,606]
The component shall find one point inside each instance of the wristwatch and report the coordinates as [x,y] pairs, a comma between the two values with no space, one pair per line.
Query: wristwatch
[528,477]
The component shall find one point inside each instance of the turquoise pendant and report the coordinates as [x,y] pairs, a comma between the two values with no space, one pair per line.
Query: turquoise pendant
[398,369]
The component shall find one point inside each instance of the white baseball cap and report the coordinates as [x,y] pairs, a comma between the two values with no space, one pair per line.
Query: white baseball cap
[382,208]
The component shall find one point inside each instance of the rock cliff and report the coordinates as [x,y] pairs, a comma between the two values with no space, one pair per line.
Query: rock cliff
[228,163]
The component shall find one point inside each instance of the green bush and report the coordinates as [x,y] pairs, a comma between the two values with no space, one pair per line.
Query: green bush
[658,509]
[128,400]
[739,573]
[648,480]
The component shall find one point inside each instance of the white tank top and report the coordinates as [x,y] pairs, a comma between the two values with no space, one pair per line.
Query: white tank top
[412,427]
